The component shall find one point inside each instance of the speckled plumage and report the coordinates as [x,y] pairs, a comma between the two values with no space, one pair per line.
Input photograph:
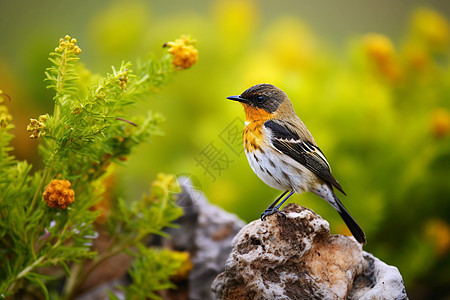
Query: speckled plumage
[283,153]
[277,171]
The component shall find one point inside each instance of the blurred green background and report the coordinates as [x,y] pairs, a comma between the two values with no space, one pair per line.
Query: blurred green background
[370,79]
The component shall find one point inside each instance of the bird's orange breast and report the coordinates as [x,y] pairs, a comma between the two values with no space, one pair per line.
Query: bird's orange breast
[253,132]
[253,136]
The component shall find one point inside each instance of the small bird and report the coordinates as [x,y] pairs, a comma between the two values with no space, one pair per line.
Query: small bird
[283,153]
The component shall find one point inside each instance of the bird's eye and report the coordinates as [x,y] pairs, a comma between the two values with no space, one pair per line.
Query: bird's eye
[260,98]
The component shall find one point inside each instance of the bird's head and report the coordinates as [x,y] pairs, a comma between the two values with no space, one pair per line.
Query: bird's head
[263,101]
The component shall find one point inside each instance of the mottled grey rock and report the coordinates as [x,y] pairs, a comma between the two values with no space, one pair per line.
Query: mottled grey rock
[294,257]
[377,281]
[206,231]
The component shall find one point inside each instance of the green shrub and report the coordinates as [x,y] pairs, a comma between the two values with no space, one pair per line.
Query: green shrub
[47,217]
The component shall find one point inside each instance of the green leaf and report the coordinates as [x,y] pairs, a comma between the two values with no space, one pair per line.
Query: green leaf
[36,279]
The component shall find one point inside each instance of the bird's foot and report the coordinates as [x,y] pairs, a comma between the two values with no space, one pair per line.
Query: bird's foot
[271,211]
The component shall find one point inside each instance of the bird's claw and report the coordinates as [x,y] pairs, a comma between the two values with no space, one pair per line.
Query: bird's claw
[271,211]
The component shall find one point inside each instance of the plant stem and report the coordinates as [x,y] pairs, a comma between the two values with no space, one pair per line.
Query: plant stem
[47,170]
[80,277]
[40,187]
[38,261]
[56,116]
[23,273]
[72,281]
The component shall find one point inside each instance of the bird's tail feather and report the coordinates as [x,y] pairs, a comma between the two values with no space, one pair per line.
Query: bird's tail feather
[355,229]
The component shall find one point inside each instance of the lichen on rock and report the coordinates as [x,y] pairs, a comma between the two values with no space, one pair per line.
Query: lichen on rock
[295,257]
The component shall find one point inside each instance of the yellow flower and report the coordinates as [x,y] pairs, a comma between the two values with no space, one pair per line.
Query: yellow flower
[123,79]
[37,127]
[379,47]
[58,194]
[186,265]
[166,183]
[440,119]
[5,117]
[184,53]
[432,28]
[68,44]
[165,186]
[380,50]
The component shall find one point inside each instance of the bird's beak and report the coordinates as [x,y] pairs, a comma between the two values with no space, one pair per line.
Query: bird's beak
[237,98]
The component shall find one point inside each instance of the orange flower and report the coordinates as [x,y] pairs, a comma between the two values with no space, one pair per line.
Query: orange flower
[380,50]
[58,194]
[183,51]
[440,122]
[438,232]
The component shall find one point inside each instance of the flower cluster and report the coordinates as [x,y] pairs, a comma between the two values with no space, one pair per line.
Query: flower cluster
[68,44]
[432,29]
[440,122]
[123,79]
[380,50]
[5,117]
[37,127]
[58,194]
[186,265]
[165,183]
[184,53]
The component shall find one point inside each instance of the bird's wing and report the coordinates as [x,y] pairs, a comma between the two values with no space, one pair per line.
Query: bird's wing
[287,141]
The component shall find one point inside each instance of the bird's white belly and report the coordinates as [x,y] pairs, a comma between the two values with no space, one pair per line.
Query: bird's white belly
[279,171]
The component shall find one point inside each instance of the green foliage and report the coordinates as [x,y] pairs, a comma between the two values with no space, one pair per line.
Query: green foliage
[88,130]
[156,208]
[161,264]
